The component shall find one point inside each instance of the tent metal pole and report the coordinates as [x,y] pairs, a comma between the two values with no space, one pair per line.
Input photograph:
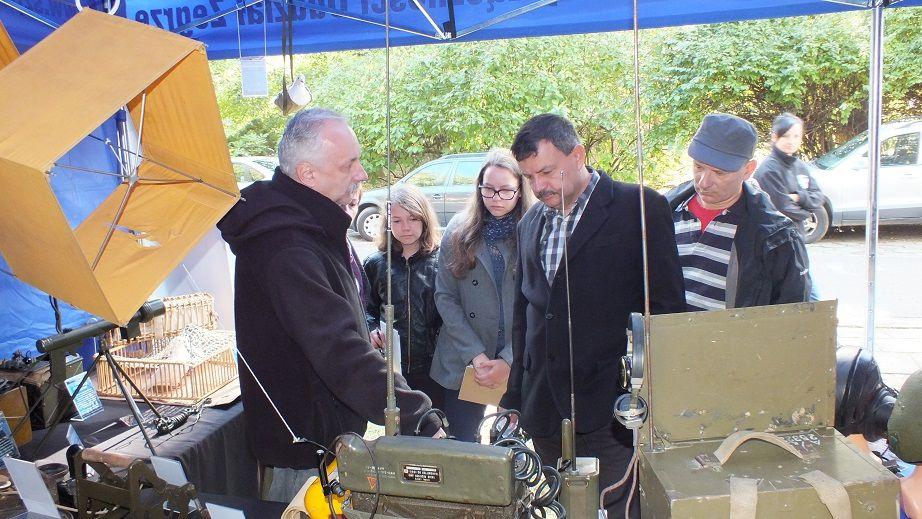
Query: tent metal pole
[438,30]
[505,16]
[350,16]
[874,117]
[452,23]
[27,13]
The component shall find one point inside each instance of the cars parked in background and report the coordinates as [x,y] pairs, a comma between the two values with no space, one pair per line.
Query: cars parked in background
[253,168]
[447,182]
[843,174]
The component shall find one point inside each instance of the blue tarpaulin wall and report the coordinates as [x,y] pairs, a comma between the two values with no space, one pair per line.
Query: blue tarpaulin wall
[233,28]
[26,313]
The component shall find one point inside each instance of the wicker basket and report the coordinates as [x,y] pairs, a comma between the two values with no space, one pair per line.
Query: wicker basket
[146,358]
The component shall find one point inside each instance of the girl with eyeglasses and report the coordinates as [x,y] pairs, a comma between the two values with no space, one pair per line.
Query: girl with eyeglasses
[475,287]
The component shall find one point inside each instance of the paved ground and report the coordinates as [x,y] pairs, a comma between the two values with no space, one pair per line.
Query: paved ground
[839,264]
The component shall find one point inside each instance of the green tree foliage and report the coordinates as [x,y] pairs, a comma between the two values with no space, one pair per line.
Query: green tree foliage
[813,66]
[903,62]
[473,96]
[816,67]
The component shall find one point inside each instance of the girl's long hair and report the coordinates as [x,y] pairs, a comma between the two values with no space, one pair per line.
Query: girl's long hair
[414,202]
[468,235]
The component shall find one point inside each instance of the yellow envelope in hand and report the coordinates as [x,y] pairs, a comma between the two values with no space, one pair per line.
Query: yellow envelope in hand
[471,391]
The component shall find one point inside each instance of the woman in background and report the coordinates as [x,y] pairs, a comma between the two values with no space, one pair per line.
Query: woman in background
[786,179]
[414,261]
[475,288]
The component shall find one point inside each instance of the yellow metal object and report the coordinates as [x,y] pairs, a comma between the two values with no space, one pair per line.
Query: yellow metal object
[316,503]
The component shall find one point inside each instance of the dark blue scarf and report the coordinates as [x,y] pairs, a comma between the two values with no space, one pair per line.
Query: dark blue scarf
[498,229]
[495,230]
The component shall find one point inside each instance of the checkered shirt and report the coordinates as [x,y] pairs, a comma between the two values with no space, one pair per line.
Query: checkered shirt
[552,238]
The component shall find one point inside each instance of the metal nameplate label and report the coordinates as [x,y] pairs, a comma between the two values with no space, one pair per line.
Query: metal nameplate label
[422,473]
[707,460]
[806,443]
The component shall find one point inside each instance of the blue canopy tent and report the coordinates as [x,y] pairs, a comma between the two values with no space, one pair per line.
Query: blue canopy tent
[253,27]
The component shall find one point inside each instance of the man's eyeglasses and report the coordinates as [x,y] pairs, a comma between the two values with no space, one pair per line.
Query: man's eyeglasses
[504,194]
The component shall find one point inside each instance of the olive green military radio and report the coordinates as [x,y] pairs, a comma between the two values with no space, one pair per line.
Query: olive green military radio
[741,418]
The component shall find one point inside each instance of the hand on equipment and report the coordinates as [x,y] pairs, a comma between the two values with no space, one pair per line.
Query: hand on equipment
[377,339]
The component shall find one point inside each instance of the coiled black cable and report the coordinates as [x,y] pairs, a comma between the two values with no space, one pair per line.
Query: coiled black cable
[527,461]
[503,426]
[546,491]
[541,512]
[544,482]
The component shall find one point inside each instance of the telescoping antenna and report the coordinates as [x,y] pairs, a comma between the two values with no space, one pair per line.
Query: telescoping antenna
[630,408]
[580,487]
[570,443]
[391,412]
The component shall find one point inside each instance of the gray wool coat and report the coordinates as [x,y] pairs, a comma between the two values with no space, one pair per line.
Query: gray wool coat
[470,311]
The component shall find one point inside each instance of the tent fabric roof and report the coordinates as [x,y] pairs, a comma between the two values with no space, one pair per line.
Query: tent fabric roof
[329,25]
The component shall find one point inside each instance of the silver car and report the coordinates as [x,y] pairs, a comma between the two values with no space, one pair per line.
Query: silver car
[842,174]
[447,182]
[253,168]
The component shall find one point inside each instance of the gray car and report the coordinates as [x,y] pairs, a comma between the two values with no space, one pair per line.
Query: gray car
[447,182]
[842,174]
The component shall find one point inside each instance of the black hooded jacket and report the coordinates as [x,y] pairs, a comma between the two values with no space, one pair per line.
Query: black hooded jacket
[769,256]
[301,326]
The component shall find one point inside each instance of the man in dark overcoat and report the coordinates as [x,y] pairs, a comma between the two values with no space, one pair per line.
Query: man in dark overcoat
[599,219]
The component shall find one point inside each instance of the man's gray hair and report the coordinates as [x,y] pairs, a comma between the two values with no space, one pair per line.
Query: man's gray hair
[301,141]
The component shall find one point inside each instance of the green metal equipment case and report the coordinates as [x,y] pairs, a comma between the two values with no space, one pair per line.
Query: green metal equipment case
[769,369]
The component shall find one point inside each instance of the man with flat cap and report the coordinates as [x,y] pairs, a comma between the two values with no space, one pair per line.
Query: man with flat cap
[735,248]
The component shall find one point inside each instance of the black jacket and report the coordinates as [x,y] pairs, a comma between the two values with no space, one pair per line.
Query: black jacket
[780,175]
[606,285]
[413,293]
[768,255]
[301,327]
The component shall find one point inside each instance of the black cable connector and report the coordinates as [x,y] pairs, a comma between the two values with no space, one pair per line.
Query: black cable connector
[443,420]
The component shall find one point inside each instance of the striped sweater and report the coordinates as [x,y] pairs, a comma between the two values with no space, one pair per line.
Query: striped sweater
[705,256]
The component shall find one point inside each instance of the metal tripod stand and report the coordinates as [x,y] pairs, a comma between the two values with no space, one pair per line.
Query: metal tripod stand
[57,348]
